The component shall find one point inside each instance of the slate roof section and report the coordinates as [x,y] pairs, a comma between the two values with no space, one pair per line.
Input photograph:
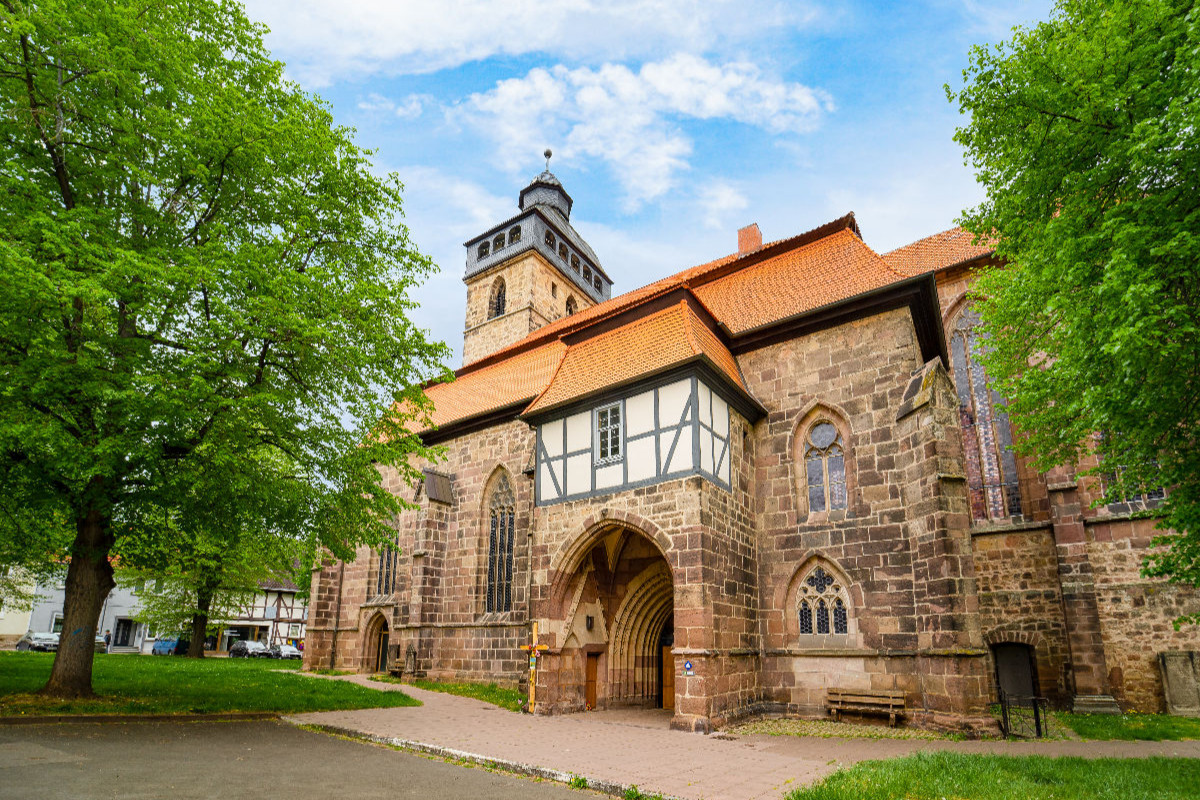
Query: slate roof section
[939,251]
[646,346]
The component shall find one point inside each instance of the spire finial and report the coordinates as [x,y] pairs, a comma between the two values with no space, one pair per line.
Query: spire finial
[547,154]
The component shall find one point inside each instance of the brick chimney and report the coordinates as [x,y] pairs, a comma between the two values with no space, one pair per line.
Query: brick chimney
[749,238]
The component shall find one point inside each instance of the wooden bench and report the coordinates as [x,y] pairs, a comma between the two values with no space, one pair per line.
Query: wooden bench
[866,701]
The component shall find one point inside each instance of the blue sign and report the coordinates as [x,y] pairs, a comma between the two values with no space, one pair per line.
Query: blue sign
[687,665]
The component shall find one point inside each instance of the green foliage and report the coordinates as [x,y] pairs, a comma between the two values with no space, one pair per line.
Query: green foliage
[173,685]
[1085,131]
[933,776]
[512,699]
[203,288]
[1132,727]
[578,782]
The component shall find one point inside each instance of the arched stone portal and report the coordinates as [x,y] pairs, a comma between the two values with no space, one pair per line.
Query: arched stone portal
[376,651]
[614,612]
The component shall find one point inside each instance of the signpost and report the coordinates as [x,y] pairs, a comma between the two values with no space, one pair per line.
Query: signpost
[533,648]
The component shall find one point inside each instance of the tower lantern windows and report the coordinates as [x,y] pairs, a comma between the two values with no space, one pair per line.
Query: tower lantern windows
[514,234]
[550,240]
[562,251]
[485,249]
[498,242]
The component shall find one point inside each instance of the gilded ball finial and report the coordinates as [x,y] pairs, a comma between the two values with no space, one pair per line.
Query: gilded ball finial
[547,154]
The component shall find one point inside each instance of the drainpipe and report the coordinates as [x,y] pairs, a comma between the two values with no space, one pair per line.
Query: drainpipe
[337,616]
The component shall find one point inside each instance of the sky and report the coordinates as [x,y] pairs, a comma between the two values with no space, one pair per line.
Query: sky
[673,122]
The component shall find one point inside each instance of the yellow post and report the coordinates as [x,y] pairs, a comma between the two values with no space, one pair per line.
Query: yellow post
[533,648]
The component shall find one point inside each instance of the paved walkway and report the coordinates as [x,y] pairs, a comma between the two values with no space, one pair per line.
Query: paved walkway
[638,747]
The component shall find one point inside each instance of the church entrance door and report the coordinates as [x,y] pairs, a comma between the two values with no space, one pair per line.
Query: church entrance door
[377,645]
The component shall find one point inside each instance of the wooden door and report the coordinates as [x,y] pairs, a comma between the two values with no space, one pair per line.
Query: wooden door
[382,652]
[668,679]
[1014,669]
[593,668]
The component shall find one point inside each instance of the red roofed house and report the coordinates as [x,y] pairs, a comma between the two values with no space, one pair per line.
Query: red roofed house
[740,487]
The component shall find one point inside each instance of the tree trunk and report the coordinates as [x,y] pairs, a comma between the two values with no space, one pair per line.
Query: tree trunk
[204,598]
[89,580]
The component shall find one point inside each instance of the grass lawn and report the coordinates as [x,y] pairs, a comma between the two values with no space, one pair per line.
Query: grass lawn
[175,685]
[1151,727]
[512,699]
[932,776]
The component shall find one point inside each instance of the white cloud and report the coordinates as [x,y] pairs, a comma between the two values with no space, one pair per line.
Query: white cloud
[719,199]
[322,41]
[409,107]
[631,120]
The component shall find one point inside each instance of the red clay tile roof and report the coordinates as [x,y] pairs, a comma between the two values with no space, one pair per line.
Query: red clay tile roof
[742,292]
[836,267]
[643,347]
[936,252]
[516,380]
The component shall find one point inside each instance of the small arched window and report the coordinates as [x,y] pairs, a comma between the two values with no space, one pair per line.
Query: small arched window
[571,308]
[514,234]
[497,301]
[587,274]
[992,485]
[501,525]
[498,242]
[550,240]
[562,251]
[825,467]
[554,290]
[485,250]
[596,282]
[823,605]
[574,262]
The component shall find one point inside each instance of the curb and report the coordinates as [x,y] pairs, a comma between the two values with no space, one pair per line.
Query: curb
[516,767]
[57,719]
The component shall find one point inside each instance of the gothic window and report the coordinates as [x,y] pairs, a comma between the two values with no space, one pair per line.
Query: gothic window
[825,467]
[823,605]
[608,433]
[992,485]
[498,242]
[571,307]
[501,522]
[514,234]
[550,240]
[497,301]
[385,578]
[484,249]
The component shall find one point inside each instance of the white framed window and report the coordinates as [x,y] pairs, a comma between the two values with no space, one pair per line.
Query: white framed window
[608,433]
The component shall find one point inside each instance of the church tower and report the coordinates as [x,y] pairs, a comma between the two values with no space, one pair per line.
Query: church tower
[528,271]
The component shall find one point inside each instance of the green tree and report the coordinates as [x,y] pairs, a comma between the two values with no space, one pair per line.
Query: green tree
[1085,131]
[196,266]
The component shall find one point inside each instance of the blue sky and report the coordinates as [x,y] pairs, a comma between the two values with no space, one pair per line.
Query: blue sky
[673,123]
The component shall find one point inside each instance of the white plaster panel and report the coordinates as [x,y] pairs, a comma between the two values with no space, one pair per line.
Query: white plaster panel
[640,454]
[546,483]
[579,431]
[664,444]
[671,401]
[705,407]
[579,473]
[723,467]
[706,451]
[683,458]
[639,413]
[552,438]
[609,476]
[720,416]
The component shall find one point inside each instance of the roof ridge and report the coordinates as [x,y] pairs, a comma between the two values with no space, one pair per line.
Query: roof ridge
[687,316]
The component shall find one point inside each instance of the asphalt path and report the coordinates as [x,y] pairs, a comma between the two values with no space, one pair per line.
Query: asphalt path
[234,760]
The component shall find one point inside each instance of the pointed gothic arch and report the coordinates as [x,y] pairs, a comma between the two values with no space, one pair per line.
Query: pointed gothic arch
[823,464]
[499,537]
[821,606]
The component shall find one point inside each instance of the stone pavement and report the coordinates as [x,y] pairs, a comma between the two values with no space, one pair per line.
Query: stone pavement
[622,748]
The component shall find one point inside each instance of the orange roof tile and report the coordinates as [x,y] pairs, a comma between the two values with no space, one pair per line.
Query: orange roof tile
[645,346]
[515,380]
[936,252]
[834,268]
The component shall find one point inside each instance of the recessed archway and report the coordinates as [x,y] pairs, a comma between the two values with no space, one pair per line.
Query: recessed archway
[616,611]
[376,651]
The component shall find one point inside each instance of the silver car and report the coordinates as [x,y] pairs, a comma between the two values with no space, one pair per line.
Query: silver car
[42,642]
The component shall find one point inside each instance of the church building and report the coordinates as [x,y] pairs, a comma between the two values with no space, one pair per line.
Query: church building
[741,488]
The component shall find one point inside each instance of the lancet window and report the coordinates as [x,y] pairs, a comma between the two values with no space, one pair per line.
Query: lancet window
[501,533]
[825,467]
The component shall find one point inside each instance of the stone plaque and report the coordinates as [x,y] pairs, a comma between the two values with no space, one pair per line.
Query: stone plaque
[1181,682]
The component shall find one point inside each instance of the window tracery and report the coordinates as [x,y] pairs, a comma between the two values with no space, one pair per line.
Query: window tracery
[825,467]
[501,524]
[823,606]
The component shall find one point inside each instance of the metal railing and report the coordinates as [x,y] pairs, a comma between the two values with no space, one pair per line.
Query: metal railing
[1022,716]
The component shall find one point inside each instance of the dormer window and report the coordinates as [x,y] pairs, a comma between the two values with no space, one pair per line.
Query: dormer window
[514,234]
[484,250]
[498,242]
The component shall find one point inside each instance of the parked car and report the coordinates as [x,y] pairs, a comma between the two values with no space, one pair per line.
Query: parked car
[41,642]
[248,649]
[172,644]
[284,651]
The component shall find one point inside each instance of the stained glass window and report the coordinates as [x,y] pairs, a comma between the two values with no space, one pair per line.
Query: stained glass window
[385,578]
[822,617]
[806,625]
[500,546]
[840,621]
[825,467]
[992,484]
[823,605]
